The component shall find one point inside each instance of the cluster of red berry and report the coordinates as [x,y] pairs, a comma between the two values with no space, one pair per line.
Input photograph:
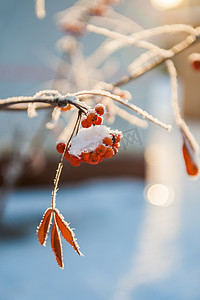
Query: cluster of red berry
[106,149]
[94,118]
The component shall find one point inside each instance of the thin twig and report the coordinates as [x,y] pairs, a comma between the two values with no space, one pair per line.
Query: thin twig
[60,165]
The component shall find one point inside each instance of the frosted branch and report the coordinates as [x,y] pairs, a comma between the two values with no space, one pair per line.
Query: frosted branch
[40,9]
[179,120]
[128,39]
[130,118]
[116,98]
[46,98]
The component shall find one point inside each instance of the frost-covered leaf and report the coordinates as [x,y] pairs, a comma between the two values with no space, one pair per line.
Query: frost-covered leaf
[66,231]
[56,245]
[191,163]
[190,152]
[43,228]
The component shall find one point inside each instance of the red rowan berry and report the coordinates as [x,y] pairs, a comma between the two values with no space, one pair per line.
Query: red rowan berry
[94,158]
[86,123]
[194,59]
[75,163]
[107,141]
[101,158]
[66,108]
[60,147]
[74,160]
[109,153]
[73,157]
[92,117]
[116,145]
[101,150]
[117,138]
[98,121]
[67,155]
[115,150]
[85,156]
[99,110]
[196,64]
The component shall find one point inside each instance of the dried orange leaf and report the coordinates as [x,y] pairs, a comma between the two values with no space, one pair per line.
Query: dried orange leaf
[56,245]
[190,162]
[190,152]
[43,228]
[66,231]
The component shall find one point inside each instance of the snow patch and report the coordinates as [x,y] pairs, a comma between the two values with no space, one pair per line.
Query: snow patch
[88,139]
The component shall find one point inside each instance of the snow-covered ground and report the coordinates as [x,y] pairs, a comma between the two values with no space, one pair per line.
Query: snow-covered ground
[133,250]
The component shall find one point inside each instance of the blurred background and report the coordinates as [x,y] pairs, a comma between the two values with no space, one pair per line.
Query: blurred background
[137,214]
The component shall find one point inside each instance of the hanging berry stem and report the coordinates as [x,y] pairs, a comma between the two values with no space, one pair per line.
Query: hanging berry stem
[60,165]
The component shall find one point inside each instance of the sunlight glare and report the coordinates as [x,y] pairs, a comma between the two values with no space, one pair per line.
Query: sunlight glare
[159,195]
[165,4]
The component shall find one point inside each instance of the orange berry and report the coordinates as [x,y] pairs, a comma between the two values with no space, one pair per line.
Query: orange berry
[196,64]
[85,156]
[117,138]
[116,145]
[101,158]
[74,160]
[73,157]
[67,155]
[92,117]
[107,141]
[94,158]
[75,163]
[101,150]
[86,123]
[109,153]
[195,60]
[98,121]
[66,108]
[60,147]
[115,150]
[99,110]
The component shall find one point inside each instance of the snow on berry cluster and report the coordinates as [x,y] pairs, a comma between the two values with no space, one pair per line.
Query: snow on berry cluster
[93,143]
